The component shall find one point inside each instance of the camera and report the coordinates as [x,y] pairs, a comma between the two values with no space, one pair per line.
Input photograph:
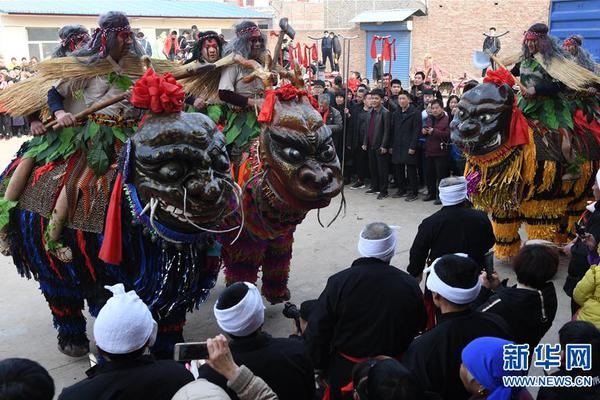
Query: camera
[291,311]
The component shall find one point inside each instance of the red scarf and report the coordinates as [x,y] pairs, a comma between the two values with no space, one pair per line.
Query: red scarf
[286,92]
[325,116]
[519,128]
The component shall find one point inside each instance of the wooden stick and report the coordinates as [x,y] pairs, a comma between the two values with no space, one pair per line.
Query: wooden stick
[192,70]
[517,80]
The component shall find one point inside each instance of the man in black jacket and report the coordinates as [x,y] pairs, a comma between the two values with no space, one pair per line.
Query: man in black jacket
[281,362]
[435,357]
[333,119]
[123,331]
[456,228]
[406,127]
[367,310]
[376,142]
[359,115]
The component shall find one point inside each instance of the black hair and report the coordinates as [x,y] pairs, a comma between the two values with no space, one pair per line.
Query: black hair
[469,85]
[134,355]
[492,28]
[385,379]
[112,19]
[438,102]
[338,80]
[232,296]
[396,81]
[535,265]
[140,34]
[377,92]
[582,332]
[358,76]
[458,272]
[325,31]
[22,379]
[339,93]
[420,73]
[368,81]
[173,32]
[452,96]
[404,93]
[184,32]
[194,27]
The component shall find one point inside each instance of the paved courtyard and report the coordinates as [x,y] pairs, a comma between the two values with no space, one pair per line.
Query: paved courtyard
[26,325]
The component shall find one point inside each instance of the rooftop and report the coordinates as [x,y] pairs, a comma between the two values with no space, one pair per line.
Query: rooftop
[133,8]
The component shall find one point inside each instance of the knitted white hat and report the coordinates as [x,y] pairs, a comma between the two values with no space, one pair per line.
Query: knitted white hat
[125,323]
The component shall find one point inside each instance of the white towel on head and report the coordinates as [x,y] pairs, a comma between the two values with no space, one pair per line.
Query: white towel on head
[382,249]
[455,295]
[125,323]
[245,317]
[455,194]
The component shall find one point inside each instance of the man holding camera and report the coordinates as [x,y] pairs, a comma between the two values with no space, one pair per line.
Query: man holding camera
[367,310]
[437,149]
[281,362]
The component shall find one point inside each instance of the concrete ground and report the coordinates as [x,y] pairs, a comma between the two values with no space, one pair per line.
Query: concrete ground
[26,325]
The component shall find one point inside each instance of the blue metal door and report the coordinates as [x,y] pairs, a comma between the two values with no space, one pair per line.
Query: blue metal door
[582,17]
[401,66]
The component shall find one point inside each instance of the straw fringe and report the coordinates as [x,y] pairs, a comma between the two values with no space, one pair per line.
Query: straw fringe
[30,95]
[569,72]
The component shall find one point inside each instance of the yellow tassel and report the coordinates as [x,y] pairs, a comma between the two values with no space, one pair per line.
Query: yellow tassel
[545,208]
[505,251]
[542,231]
[581,183]
[548,177]
[530,162]
[506,231]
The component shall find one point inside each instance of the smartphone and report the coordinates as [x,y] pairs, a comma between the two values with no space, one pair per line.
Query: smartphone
[489,264]
[190,351]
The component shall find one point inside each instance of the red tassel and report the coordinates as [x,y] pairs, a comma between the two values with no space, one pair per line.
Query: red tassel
[81,243]
[111,251]
[42,170]
[374,46]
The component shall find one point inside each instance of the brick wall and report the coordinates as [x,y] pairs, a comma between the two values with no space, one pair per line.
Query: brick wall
[450,32]
[357,51]
[453,30]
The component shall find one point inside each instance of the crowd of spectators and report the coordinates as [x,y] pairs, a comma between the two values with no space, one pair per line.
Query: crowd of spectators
[12,72]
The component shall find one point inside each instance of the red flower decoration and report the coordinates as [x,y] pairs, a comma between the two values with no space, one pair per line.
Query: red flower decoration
[286,92]
[500,77]
[159,94]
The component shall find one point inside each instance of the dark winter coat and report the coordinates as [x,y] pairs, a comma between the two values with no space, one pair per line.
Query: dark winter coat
[406,128]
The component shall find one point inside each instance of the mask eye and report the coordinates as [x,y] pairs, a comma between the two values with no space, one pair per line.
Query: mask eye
[327,153]
[171,171]
[293,155]
[485,118]
[220,162]
[462,114]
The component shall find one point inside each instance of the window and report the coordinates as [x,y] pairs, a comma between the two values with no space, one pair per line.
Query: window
[41,42]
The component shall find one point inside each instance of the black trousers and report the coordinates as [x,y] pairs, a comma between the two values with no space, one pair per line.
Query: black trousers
[406,177]
[436,169]
[328,53]
[379,166]
[361,163]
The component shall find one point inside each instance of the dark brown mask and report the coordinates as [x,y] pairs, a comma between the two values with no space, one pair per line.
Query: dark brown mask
[297,150]
[177,153]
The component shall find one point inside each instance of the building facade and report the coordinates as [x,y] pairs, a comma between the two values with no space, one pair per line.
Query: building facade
[31,28]
[439,33]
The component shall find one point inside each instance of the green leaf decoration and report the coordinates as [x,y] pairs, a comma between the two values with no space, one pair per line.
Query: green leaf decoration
[91,130]
[215,112]
[123,82]
[119,134]
[5,207]
[549,115]
[111,77]
[232,133]
[98,159]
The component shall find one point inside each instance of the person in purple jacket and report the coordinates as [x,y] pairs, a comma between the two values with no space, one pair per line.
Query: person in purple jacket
[437,149]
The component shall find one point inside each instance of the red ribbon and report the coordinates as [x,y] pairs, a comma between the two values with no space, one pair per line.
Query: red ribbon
[159,93]
[286,92]
[388,48]
[111,251]
[519,128]
[42,170]
[310,53]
